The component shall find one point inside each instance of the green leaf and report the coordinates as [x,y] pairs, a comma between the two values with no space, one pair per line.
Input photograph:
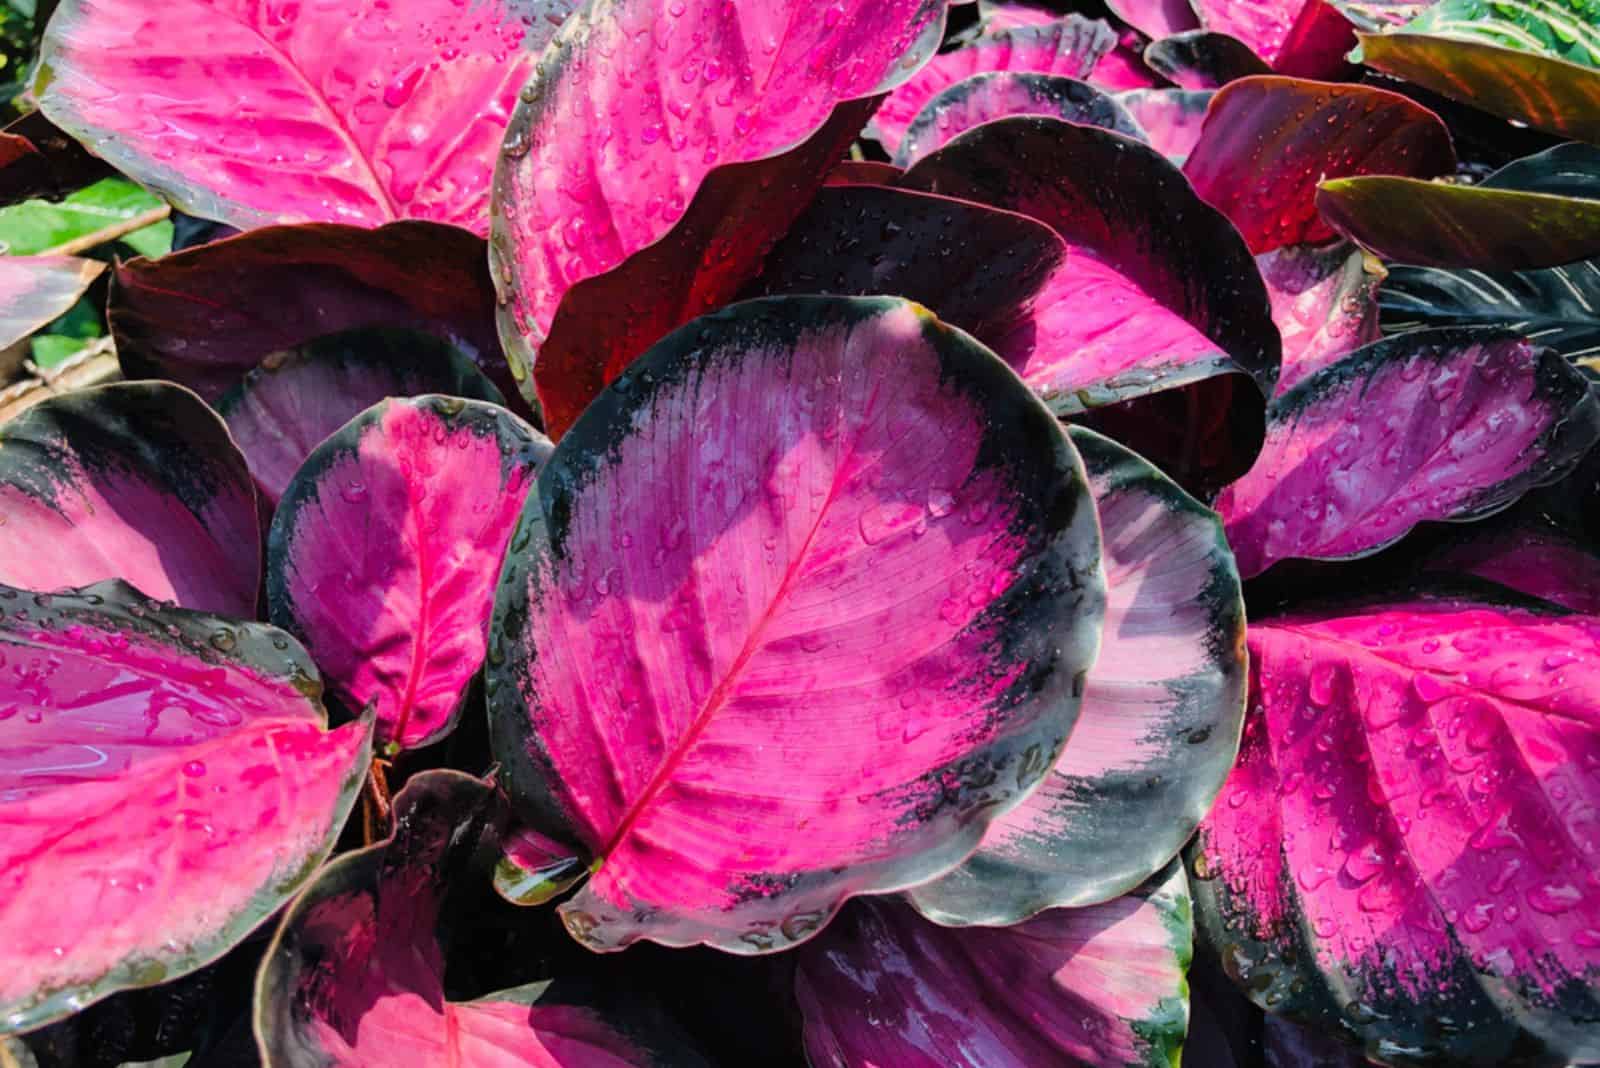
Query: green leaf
[106,207]
[1559,29]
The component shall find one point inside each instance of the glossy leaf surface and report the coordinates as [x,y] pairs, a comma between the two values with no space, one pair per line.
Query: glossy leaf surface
[1433,425]
[1156,18]
[1202,59]
[138,481]
[315,279]
[907,592]
[165,776]
[386,547]
[1531,558]
[36,289]
[1304,38]
[355,976]
[1170,119]
[286,407]
[1403,853]
[998,94]
[1160,721]
[1097,986]
[1325,303]
[710,85]
[351,114]
[1269,141]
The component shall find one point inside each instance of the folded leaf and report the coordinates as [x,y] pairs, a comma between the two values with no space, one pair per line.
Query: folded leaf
[906,596]
[316,279]
[1433,425]
[1404,853]
[1324,301]
[1160,720]
[1269,141]
[995,95]
[332,114]
[36,289]
[1070,47]
[1098,986]
[1202,59]
[385,550]
[709,84]
[1170,119]
[286,407]
[165,776]
[138,481]
[355,975]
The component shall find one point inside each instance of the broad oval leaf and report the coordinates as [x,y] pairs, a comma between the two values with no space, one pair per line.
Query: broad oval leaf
[285,407]
[709,84]
[998,94]
[385,550]
[1438,424]
[165,776]
[1169,119]
[1404,852]
[351,113]
[1202,59]
[36,289]
[1101,986]
[355,974]
[1303,38]
[1160,721]
[841,625]
[317,279]
[1070,47]
[1325,303]
[135,480]
[1269,141]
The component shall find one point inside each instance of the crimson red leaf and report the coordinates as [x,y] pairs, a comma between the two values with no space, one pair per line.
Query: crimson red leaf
[1410,834]
[1269,141]
[286,407]
[997,94]
[1430,425]
[1324,301]
[907,595]
[1070,46]
[36,289]
[1160,720]
[1170,119]
[862,172]
[275,289]
[355,976]
[350,113]
[138,481]
[1100,986]
[709,84]
[1202,59]
[165,777]
[385,549]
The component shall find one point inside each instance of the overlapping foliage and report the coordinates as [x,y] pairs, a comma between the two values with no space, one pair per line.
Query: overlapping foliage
[682,532]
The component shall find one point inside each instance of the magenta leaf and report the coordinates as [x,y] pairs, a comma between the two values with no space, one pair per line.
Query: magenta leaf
[1160,720]
[1409,836]
[355,975]
[286,407]
[1070,47]
[1156,18]
[1157,291]
[1203,59]
[351,114]
[907,596]
[1303,38]
[385,550]
[728,121]
[1169,119]
[138,481]
[1432,425]
[998,94]
[36,289]
[315,279]
[165,776]
[1269,141]
[1532,558]
[1099,986]
[1324,300]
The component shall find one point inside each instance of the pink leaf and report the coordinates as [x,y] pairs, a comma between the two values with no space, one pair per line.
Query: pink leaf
[801,603]
[1304,38]
[385,549]
[1096,986]
[1430,425]
[1156,18]
[138,481]
[352,113]
[165,777]
[1170,119]
[1268,142]
[707,84]
[36,289]
[1325,302]
[1531,558]
[1411,832]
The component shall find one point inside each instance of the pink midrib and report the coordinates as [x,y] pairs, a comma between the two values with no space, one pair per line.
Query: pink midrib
[424,578]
